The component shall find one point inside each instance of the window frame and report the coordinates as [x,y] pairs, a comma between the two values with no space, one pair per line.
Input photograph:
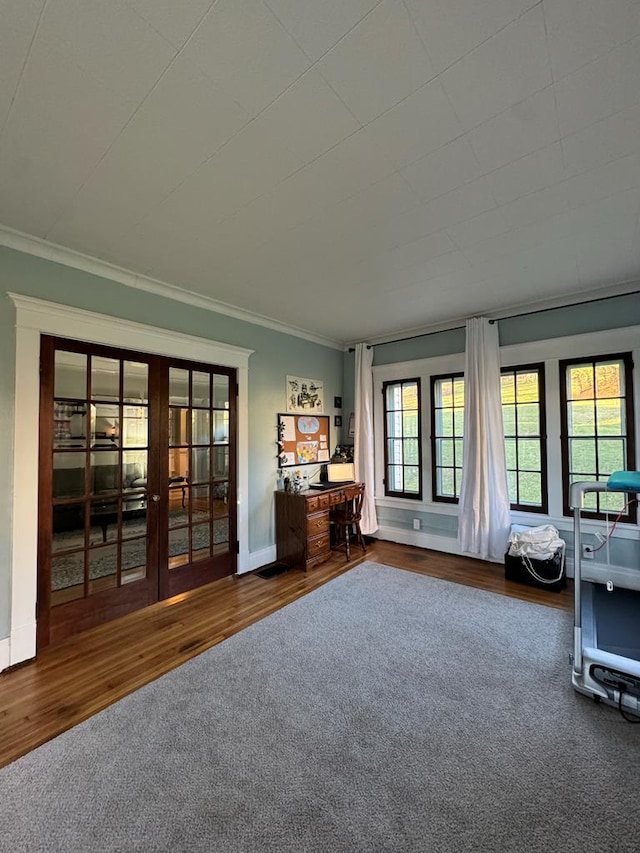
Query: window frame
[539,367]
[631,515]
[434,456]
[394,493]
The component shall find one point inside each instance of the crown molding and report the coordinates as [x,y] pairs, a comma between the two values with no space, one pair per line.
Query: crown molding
[36,246]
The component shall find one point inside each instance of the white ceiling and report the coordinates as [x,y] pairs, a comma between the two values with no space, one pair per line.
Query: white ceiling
[353,168]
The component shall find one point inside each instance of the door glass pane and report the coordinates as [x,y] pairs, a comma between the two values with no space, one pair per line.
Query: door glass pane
[134,518]
[134,560]
[200,505]
[220,499]
[104,473]
[200,426]
[201,541]
[103,522]
[178,386]
[134,470]
[178,420]
[200,389]
[105,425]
[179,463]
[105,378]
[135,426]
[178,547]
[70,375]
[67,573]
[220,535]
[68,475]
[69,424]
[220,463]
[136,382]
[220,391]
[221,427]
[103,566]
[68,527]
[200,465]
[179,504]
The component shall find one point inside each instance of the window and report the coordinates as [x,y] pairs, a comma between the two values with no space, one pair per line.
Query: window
[523,416]
[403,477]
[447,422]
[524,430]
[597,428]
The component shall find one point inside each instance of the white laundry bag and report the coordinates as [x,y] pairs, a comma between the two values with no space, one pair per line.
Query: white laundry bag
[536,543]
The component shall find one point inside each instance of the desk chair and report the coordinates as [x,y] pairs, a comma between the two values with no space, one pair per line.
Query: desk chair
[347,517]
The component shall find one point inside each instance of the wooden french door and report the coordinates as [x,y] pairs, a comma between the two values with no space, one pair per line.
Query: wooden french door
[137,493]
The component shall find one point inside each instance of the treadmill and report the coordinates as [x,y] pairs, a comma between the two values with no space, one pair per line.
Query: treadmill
[606,633]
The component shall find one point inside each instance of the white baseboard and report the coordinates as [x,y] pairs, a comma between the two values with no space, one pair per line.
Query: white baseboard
[418,538]
[5,654]
[257,559]
[22,643]
[20,646]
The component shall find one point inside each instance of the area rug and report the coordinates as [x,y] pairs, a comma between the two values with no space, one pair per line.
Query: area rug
[385,711]
[68,569]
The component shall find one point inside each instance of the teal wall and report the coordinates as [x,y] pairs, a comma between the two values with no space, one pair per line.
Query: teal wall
[613,313]
[275,355]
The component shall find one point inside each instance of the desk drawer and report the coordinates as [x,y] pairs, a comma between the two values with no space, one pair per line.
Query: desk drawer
[317,523]
[317,545]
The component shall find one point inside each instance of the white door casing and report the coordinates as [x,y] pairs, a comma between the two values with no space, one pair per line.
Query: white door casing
[35,317]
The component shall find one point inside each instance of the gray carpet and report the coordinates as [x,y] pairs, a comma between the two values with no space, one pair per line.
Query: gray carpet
[385,711]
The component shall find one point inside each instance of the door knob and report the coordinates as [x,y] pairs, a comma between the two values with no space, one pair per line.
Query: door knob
[155,498]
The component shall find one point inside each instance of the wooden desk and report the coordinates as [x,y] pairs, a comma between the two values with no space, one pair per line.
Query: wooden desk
[302,526]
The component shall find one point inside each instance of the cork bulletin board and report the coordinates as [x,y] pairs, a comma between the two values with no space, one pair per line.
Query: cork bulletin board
[303,440]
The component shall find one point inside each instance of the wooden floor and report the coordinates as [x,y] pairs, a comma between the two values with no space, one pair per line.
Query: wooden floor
[69,682]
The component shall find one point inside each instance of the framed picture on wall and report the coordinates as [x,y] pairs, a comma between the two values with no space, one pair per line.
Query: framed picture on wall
[304,395]
[351,432]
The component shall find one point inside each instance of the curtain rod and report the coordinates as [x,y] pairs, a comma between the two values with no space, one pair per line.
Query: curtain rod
[508,317]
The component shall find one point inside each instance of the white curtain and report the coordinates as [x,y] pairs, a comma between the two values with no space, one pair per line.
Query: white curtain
[363,441]
[484,515]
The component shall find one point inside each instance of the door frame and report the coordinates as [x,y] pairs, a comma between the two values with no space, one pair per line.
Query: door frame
[35,317]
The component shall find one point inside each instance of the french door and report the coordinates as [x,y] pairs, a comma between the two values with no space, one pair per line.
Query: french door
[137,492]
